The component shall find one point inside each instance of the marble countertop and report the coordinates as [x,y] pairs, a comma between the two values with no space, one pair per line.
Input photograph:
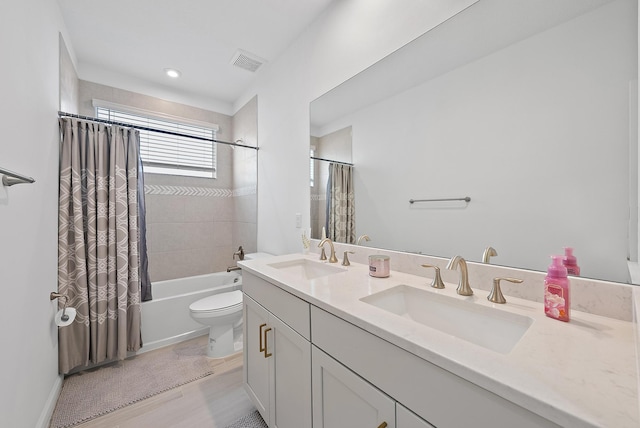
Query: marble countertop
[581,373]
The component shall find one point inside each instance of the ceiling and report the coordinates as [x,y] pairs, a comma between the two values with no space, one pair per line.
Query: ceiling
[128,44]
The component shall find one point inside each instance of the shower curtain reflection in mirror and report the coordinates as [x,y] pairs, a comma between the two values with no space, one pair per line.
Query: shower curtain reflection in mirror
[340,217]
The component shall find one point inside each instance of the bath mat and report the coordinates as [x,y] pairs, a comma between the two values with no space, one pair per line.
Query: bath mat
[252,420]
[92,393]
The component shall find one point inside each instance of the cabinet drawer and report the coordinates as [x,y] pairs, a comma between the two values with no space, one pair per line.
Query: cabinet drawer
[436,395]
[290,309]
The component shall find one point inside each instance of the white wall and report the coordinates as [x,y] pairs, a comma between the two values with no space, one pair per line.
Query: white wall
[28,212]
[350,36]
[536,134]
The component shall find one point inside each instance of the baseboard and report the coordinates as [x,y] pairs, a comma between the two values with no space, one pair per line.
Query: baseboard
[50,405]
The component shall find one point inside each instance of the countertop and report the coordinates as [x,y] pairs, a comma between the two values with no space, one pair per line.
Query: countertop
[580,373]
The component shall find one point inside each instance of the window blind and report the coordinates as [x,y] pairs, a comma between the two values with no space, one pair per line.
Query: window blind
[170,154]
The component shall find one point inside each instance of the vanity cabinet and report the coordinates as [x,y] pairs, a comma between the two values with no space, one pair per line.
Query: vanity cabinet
[343,399]
[432,393]
[407,419]
[277,357]
[359,379]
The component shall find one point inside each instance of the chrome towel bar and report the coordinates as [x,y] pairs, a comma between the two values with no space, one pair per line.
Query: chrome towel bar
[9,178]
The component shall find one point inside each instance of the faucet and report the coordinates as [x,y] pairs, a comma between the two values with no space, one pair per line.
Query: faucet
[488,253]
[239,253]
[437,279]
[496,295]
[345,259]
[464,289]
[332,257]
[365,237]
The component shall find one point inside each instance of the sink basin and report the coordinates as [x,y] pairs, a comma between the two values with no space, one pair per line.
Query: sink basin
[490,328]
[306,269]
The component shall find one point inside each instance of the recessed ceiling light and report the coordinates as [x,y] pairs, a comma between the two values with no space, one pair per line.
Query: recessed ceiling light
[172,72]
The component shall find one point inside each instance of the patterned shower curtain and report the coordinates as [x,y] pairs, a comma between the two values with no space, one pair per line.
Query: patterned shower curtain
[341,217]
[98,252]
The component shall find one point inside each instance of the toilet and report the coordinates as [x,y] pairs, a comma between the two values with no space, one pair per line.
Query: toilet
[223,314]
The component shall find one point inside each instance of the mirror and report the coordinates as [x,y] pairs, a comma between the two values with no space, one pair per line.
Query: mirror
[334,147]
[529,108]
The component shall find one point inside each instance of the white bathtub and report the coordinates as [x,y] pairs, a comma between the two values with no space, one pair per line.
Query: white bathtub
[166,319]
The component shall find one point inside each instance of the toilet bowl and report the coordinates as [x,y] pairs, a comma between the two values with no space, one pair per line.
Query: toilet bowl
[223,314]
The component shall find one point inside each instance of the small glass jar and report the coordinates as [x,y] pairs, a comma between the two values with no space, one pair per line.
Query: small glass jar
[379,266]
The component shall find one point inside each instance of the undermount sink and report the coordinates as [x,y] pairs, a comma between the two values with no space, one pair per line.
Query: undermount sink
[490,328]
[306,269]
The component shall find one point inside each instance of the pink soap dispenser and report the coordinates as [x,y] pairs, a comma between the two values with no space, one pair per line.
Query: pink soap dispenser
[556,291]
[570,262]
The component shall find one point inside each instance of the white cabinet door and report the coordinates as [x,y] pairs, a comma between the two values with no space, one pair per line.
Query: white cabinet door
[256,363]
[407,419]
[343,399]
[290,371]
[277,368]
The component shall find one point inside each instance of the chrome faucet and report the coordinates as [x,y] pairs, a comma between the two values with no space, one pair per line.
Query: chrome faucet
[365,237]
[464,289]
[332,257]
[488,253]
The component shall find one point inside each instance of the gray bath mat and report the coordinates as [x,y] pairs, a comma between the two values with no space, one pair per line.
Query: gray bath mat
[92,393]
[252,420]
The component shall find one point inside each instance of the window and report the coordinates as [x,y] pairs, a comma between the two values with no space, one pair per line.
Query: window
[170,154]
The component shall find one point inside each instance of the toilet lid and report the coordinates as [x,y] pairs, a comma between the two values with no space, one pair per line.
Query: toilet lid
[217,301]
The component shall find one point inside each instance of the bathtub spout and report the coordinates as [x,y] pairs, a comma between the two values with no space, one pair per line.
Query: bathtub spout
[230,268]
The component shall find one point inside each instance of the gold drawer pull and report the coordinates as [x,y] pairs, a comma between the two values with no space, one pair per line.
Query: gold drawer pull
[383,425]
[266,354]
[262,347]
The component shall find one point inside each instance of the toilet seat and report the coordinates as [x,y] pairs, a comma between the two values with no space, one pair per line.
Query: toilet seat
[218,305]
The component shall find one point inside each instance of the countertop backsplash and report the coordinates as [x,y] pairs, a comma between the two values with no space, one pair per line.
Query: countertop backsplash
[604,298]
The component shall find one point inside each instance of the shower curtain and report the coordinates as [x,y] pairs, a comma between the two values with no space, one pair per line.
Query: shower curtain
[98,251]
[341,218]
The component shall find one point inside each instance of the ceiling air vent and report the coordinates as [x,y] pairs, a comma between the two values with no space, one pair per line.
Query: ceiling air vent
[247,61]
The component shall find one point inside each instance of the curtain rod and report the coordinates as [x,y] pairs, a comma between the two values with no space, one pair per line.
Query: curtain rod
[329,160]
[143,128]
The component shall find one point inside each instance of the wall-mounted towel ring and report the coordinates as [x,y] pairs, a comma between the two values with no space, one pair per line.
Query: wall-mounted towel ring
[65,316]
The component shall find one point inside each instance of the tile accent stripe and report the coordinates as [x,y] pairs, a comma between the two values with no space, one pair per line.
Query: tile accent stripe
[155,189]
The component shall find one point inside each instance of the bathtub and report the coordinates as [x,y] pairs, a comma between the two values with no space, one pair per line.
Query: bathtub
[166,319]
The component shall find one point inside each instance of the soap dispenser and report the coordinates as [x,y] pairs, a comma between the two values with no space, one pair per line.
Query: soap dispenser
[570,262]
[556,291]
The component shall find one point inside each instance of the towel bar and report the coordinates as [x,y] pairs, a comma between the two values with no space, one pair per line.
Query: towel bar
[9,178]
